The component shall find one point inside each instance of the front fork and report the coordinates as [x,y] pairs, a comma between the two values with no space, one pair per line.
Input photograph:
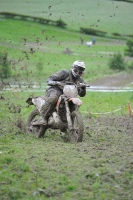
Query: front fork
[68,115]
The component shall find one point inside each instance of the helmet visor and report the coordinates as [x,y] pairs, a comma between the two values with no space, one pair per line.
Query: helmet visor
[81,68]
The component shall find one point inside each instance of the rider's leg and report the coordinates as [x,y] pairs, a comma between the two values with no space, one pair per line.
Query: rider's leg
[51,99]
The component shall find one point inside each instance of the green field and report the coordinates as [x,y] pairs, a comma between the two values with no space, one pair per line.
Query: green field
[106,15]
[49,43]
[18,37]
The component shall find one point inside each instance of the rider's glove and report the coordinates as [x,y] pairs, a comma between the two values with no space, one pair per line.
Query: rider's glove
[82,86]
[59,83]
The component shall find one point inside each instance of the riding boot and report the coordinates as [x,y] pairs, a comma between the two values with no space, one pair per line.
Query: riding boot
[44,121]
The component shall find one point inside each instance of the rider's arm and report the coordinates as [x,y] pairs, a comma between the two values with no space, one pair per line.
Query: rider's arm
[57,77]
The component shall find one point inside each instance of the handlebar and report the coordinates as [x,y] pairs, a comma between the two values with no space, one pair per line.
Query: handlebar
[71,83]
[84,84]
[62,84]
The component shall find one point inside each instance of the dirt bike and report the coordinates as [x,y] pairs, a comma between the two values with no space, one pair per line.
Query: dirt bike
[65,116]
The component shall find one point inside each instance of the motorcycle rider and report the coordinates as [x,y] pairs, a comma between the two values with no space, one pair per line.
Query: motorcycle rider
[56,80]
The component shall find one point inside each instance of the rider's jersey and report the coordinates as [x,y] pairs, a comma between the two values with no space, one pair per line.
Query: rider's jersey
[66,75]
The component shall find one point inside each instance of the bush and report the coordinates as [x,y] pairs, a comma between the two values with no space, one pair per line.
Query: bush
[117,62]
[90,31]
[129,50]
[60,23]
[116,34]
[5,70]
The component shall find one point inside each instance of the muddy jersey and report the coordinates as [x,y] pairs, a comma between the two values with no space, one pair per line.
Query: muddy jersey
[66,75]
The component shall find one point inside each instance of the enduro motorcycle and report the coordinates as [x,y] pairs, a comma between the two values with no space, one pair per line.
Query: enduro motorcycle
[64,117]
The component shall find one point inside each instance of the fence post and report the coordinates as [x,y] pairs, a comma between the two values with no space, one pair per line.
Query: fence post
[129,109]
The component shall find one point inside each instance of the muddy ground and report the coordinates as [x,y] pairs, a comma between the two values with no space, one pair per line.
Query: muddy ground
[111,123]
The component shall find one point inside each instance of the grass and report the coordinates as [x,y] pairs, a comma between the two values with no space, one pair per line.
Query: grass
[93,102]
[98,102]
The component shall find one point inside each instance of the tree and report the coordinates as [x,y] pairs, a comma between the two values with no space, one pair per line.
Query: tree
[129,50]
[117,62]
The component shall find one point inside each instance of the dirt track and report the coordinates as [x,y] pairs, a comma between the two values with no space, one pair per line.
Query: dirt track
[120,80]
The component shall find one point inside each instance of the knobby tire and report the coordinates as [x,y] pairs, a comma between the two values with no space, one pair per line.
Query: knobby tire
[41,129]
[76,135]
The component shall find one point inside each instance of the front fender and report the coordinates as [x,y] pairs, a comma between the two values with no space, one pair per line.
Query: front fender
[76,101]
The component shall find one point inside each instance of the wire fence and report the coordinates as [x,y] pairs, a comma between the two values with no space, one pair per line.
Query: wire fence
[113,111]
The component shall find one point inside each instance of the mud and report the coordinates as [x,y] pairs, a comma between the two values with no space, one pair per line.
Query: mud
[109,124]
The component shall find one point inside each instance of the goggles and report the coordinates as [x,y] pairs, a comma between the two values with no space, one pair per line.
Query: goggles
[81,69]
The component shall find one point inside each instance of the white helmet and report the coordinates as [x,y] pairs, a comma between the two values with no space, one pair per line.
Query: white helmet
[78,67]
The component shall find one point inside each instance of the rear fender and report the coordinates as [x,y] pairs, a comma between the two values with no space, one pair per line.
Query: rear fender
[38,102]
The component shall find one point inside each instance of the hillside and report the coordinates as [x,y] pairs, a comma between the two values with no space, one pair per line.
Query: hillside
[110,16]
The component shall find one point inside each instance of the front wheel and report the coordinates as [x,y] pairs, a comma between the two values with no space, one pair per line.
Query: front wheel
[76,134]
[38,130]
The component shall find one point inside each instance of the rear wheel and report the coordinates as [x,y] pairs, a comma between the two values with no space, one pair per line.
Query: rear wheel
[37,130]
[76,134]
